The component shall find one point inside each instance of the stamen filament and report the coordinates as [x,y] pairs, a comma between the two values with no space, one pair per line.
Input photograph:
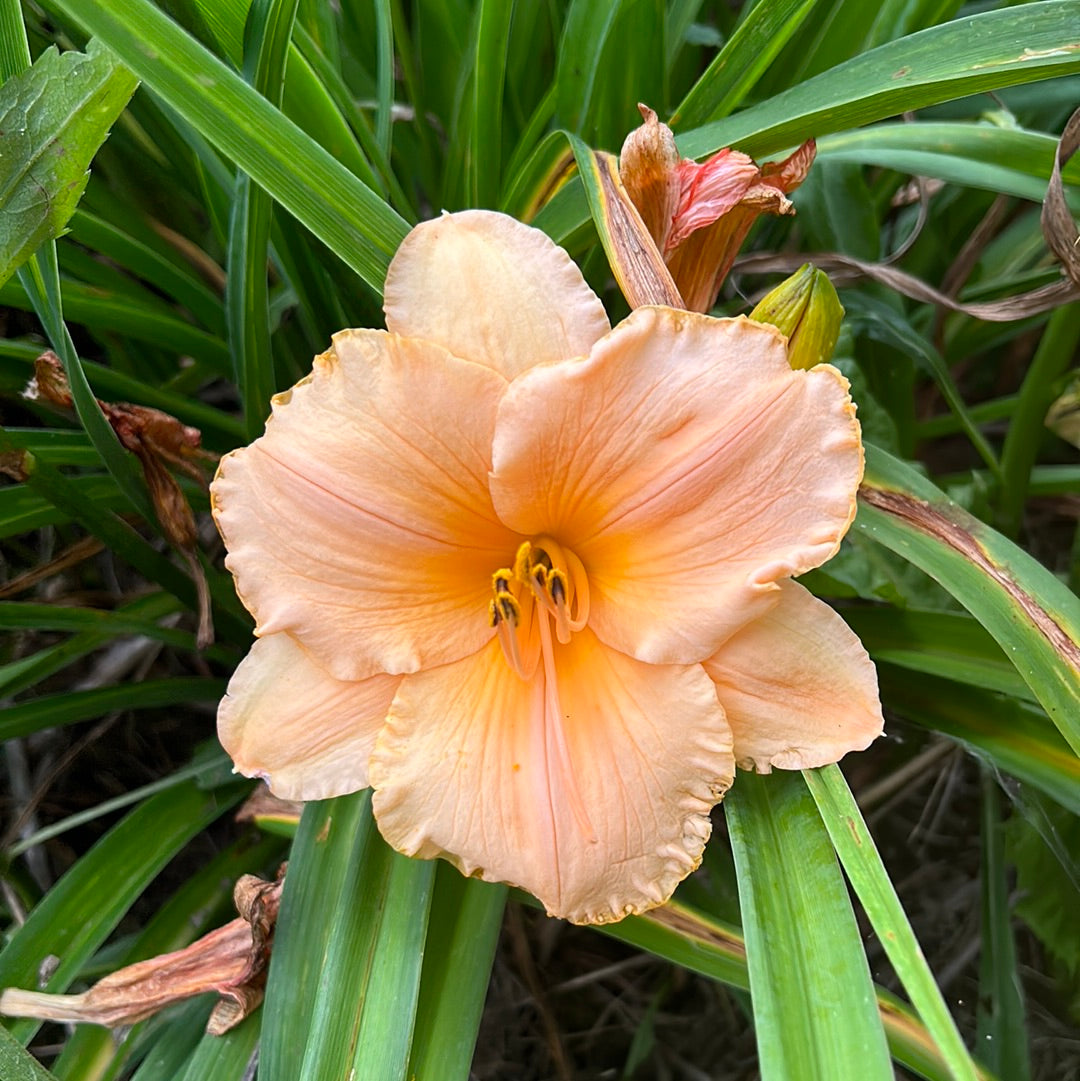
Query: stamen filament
[545,580]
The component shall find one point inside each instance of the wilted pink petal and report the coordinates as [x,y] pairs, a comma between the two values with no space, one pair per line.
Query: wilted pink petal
[709,190]
[699,213]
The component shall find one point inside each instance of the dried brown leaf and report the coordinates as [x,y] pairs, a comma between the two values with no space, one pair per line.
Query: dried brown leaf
[1006,310]
[1059,228]
[1057,223]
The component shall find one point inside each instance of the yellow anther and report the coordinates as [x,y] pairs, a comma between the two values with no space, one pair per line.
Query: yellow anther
[522,563]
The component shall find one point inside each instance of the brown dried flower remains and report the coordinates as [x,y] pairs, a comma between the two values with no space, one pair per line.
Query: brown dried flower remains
[231,961]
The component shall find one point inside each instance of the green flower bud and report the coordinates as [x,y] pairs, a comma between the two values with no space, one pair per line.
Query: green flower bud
[806,308]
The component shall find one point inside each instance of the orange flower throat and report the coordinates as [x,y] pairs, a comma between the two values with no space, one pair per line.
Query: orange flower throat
[546,585]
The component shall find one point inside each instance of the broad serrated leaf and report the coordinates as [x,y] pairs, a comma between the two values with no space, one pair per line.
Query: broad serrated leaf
[17,1064]
[53,118]
[1043,842]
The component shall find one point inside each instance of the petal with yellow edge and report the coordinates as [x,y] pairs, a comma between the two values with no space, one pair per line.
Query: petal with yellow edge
[687,467]
[591,791]
[798,688]
[308,735]
[361,522]
[493,291]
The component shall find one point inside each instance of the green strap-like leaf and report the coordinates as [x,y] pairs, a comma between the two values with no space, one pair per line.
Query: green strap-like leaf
[742,60]
[342,990]
[342,211]
[987,51]
[585,31]
[1033,616]
[224,1058]
[16,1064]
[875,891]
[72,706]
[1052,358]
[1012,735]
[485,105]
[466,915]
[983,52]
[1002,1030]
[53,116]
[948,644]
[247,295]
[81,910]
[40,277]
[14,47]
[815,1014]
[686,937]
[980,155]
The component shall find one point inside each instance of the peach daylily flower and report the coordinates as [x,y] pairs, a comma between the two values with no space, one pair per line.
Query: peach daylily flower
[699,213]
[528,576]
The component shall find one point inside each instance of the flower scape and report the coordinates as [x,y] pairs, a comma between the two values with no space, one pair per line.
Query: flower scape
[529,577]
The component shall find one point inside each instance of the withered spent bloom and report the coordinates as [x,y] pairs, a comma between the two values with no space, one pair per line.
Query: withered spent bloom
[161,443]
[231,961]
[699,213]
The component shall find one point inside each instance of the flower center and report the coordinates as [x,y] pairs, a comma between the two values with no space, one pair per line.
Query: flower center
[547,584]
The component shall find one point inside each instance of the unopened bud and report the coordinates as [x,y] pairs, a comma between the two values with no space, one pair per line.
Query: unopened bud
[806,308]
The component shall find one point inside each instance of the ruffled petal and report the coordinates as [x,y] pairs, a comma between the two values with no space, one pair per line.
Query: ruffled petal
[493,291]
[308,735]
[797,686]
[361,522]
[599,811]
[689,469]
[788,174]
